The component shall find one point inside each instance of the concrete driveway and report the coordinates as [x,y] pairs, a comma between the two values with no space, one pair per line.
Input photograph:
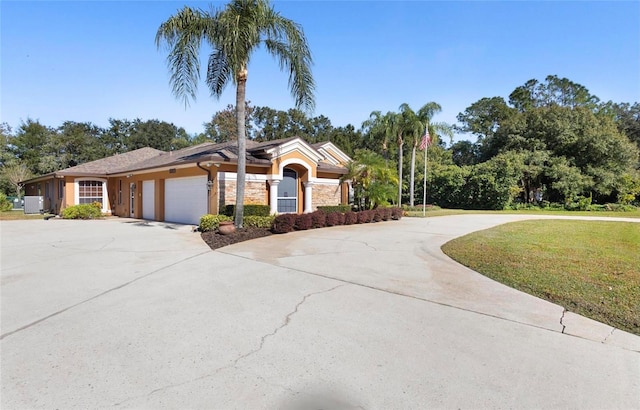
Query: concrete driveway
[127,314]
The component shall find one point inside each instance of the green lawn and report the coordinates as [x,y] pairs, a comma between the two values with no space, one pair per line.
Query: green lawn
[445,212]
[590,267]
[18,215]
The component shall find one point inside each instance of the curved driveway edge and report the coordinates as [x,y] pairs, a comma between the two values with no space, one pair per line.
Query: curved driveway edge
[405,258]
[126,314]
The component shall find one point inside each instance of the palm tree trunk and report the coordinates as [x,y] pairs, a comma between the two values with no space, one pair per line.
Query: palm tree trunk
[242,146]
[400,144]
[413,172]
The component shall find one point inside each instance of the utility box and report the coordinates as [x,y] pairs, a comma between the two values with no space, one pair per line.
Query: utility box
[33,204]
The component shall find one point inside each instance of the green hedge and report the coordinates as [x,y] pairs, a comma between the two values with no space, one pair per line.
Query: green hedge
[211,222]
[335,208]
[5,204]
[249,210]
[258,221]
[82,211]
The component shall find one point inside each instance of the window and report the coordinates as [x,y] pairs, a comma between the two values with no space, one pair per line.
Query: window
[119,192]
[288,192]
[60,189]
[90,191]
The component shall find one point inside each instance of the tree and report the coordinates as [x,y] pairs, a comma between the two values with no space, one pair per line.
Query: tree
[28,146]
[235,32]
[415,125]
[372,180]
[14,173]
[223,126]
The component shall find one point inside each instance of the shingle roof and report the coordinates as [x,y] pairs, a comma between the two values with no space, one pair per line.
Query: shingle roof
[114,163]
[148,158]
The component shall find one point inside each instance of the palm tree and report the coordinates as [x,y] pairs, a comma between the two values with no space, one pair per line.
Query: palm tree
[234,33]
[372,180]
[415,125]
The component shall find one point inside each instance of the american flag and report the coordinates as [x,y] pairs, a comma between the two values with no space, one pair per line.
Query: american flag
[426,140]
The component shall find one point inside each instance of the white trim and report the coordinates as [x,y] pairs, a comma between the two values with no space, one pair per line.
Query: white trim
[324,181]
[105,194]
[296,144]
[337,152]
[296,161]
[233,176]
[328,157]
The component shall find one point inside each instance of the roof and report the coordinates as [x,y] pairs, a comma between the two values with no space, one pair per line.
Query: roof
[258,153]
[113,163]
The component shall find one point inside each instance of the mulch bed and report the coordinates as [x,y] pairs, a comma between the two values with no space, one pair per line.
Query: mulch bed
[215,240]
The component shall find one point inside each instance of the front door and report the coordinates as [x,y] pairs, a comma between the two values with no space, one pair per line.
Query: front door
[132,199]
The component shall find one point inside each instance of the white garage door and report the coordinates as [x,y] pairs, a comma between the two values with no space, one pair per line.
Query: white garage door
[148,200]
[185,199]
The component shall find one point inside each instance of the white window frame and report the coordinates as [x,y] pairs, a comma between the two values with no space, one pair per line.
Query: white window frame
[105,196]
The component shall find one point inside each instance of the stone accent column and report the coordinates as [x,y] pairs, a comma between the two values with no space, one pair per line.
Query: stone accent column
[308,194]
[273,195]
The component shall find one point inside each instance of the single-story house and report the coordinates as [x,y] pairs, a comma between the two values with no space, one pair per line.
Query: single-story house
[289,175]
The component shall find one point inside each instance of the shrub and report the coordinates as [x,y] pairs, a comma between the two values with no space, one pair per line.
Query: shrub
[365,216]
[396,213]
[249,210]
[82,211]
[211,222]
[5,204]
[350,218]
[334,208]
[303,222]
[319,219]
[258,221]
[283,223]
[385,213]
[333,219]
[377,215]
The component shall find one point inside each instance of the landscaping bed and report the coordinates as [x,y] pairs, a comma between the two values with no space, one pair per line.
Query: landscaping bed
[216,240]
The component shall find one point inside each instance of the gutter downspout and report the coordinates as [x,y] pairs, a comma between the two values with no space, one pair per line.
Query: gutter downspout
[209,185]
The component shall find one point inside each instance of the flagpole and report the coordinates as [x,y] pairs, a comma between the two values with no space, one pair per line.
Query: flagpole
[424,183]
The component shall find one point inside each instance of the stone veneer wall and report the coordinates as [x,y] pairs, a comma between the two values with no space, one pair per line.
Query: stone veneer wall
[324,195]
[254,193]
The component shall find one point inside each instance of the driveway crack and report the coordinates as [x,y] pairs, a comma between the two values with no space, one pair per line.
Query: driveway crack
[285,323]
[234,363]
[122,285]
[564,310]
[613,329]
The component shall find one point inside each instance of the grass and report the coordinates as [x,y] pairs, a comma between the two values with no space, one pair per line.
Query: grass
[18,215]
[445,212]
[589,267]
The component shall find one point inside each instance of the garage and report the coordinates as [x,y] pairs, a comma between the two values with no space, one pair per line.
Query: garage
[185,199]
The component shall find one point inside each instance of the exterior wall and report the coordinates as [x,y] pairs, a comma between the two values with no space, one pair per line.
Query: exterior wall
[326,194]
[159,178]
[255,192]
[290,159]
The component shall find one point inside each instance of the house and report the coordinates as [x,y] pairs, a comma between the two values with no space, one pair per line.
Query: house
[289,175]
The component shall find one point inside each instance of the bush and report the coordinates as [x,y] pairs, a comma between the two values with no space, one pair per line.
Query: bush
[303,222]
[333,219]
[319,219]
[258,221]
[211,222]
[82,211]
[350,218]
[5,204]
[284,223]
[249,210]
[396,213]
[377,215]
[334,208]
[365,217]
[385,213]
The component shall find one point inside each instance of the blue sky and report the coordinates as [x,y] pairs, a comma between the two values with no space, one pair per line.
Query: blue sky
[92,60]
